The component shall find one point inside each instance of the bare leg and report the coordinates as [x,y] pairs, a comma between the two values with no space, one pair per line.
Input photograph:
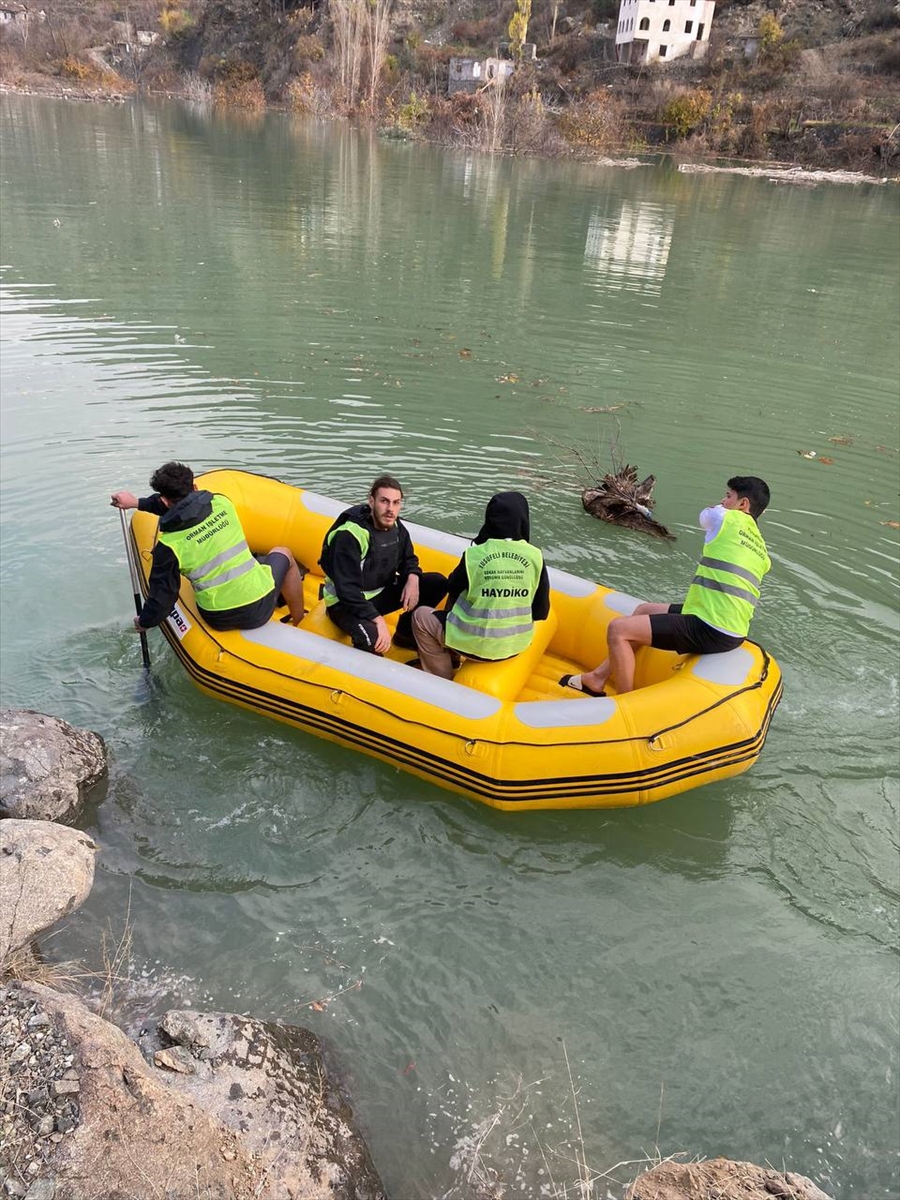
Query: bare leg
[597,679]
[292,586]
[624,635]
[429,634]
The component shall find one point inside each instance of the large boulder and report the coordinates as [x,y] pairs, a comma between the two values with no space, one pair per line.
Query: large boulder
[46,872]
[96,1121]
[47,766]
[723,1179]
[269,1082]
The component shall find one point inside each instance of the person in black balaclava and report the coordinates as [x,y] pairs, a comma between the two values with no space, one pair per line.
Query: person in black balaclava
[496,592]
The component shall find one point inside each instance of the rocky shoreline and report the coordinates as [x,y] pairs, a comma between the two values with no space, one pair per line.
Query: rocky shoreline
[202,1106]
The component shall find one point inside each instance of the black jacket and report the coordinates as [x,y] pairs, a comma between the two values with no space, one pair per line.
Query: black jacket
[506,516]
[390,558]
[165,577]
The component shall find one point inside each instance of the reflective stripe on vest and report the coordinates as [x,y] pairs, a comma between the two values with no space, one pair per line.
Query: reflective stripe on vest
[331,597]
[197,576]
[483,623]
[725,590]
[215,557]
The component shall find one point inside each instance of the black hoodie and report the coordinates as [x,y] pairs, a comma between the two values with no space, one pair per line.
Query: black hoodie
[506,516]
[391,558]
[165,577]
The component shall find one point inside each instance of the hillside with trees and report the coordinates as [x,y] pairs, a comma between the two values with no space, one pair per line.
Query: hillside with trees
[811,82]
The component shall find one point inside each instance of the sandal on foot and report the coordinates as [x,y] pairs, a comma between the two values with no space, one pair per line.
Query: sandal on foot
[575,683]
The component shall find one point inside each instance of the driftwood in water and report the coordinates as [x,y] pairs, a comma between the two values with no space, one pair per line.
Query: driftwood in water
[621,500]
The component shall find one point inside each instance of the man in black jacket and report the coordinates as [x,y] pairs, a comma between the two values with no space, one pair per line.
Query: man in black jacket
[371,569]
[200,535]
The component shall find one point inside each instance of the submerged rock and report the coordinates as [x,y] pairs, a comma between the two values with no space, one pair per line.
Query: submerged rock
[268,1081]
[47,766]
[46,872]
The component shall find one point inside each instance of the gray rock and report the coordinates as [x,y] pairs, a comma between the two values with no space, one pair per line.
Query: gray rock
[41,1189]
[66,1087]
[46,872]
[47,766]
[269,1082]
[175,1058]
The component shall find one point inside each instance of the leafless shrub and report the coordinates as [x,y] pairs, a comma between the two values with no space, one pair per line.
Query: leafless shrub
[532,130]
[197,90]
[596,123]
[308,97]
[494,113]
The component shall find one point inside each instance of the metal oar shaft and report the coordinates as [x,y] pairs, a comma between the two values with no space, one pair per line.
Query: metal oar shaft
[135,587]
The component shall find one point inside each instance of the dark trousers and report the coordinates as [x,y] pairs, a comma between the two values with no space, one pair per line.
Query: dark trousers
[364,634]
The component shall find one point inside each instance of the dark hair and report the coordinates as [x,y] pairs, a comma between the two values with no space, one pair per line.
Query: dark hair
[753,489]
[386,481]
[173,481]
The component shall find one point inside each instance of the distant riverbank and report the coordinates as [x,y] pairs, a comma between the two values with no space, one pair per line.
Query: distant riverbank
[775,171]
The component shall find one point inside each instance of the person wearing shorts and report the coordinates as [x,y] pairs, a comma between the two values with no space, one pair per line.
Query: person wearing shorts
[200,536]
[716,613]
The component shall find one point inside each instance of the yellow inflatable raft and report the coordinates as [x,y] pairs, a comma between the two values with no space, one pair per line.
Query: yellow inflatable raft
[503,733]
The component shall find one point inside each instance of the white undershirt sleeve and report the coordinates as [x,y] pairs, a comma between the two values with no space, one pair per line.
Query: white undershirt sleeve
[711,520]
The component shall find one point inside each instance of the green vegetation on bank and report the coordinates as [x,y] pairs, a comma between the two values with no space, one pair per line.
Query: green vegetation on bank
[815,85]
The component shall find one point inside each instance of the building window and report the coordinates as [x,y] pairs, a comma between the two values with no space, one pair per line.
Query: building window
[667,25]
[700,32]
[688,26]
[662,51]
[645,23]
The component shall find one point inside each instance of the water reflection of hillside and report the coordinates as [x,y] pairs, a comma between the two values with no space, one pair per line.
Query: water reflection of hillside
[294,239]
[630,249]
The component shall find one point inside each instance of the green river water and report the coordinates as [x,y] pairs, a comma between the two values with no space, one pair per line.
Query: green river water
[720,969]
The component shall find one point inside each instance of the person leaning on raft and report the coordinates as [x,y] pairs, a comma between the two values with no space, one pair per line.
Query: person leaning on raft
[371,569]
[720,602]
[496,592]
[200,536]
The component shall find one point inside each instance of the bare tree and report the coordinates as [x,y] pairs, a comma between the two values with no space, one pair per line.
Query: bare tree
[494,92]
[361,32]
[378,28]
[348,19]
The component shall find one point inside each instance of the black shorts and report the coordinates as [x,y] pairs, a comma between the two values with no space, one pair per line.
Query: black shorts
[673,630]
[251,616]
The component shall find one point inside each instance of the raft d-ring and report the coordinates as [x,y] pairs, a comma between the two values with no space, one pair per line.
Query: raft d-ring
[471,746]
[336,696]
[658,743]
